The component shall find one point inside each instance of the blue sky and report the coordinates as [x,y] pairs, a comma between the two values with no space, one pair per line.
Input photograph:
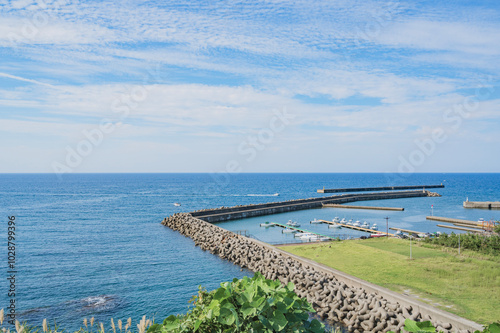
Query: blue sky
[249,86]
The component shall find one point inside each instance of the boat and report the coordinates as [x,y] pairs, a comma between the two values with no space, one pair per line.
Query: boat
[374,226]
[288,231]
[301,234]
[177,204]
[267,224]
[343,221]
[292,224]
[398,233]
[276,194]
[334,226]
[336,219]
[324,239]
[315,221]
[356,224]
[307,236]
[378,235]
[365,225]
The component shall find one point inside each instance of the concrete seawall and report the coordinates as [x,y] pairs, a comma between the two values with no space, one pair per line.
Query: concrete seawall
[239,212]
[336,296]
[385,188]
[482,204]
[363,207]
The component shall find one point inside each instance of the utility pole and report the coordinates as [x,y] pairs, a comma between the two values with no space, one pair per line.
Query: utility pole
[387,225]
[410,246]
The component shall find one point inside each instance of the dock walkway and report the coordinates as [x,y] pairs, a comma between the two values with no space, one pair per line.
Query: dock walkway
[357,228]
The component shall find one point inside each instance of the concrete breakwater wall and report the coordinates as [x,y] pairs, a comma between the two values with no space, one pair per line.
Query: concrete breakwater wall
[239,212]
[385,188]
[338,297]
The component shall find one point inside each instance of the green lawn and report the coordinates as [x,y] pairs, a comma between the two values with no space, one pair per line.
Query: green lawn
[467,286]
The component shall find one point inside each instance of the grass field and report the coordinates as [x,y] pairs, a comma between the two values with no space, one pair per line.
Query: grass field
[467,285]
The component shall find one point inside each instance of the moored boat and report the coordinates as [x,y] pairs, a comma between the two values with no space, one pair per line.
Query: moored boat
[267,224]
[374,226]
[288,231]
[365,225]
[334,226]
[315,221]
[292,224]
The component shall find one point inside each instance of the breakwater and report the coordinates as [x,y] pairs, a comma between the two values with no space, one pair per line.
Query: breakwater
[482,204]
[336,296]
[363,207]
[385,188]
[239,212]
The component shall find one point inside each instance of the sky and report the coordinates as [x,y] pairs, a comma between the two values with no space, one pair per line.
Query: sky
[249,86]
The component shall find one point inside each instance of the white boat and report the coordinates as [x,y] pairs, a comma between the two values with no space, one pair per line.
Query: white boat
[308,236]
[324,239]
[334,226]
[292,224]
[288,231]
[356,224]
[374,226]
[349,222]
[267,225]
[276,194]
[177,204]
[398,233]
[301,234]
[365,225]
[315,221]
[343,221]
[336,219]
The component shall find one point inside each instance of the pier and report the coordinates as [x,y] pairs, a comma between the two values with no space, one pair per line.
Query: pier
[411,232]
[482,204]
[363,207]
[385,188]
[459,228]
[239,212]
[357,228]
[454,221]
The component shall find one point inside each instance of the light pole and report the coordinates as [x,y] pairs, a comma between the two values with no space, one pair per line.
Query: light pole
[387,226]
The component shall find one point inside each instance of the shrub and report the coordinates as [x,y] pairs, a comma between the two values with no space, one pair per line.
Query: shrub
[245,305]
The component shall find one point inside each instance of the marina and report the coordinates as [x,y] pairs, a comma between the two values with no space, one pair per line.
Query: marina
[318,235]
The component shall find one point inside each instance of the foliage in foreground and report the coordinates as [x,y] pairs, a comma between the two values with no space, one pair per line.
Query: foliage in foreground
[427,327]
[245,305]
[484,244]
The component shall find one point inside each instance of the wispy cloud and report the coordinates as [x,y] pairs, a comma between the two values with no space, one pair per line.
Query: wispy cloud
[357,74]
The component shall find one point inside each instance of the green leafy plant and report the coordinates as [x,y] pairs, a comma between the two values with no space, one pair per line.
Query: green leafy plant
[245,305]
[426,327]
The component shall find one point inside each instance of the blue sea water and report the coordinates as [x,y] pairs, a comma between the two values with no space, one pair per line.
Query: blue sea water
[92,244]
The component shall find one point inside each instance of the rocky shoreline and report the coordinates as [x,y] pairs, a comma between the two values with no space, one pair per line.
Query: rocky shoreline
[355,308]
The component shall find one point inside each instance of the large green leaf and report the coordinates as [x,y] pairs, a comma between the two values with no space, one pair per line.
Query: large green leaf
[419,327]
[278,320]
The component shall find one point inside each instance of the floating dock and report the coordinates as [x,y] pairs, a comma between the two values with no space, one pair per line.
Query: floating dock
[482,204]
[363,207]
[459,228]
[385,188]
[357,228]
[301,230]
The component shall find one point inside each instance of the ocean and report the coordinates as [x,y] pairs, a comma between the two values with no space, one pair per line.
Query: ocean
[92,244]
